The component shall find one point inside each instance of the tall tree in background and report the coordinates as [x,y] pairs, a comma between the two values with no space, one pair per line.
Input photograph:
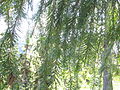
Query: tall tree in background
[75,45]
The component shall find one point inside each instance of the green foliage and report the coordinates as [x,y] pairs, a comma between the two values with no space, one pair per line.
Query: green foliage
[75,46]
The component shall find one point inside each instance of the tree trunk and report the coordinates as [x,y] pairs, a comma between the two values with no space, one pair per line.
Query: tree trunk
[107,80]
[107,75]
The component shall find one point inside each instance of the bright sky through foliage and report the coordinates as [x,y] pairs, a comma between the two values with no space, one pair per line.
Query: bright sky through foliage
[26,25]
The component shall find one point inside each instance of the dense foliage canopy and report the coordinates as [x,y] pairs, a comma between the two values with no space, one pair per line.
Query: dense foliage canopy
[73,44]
